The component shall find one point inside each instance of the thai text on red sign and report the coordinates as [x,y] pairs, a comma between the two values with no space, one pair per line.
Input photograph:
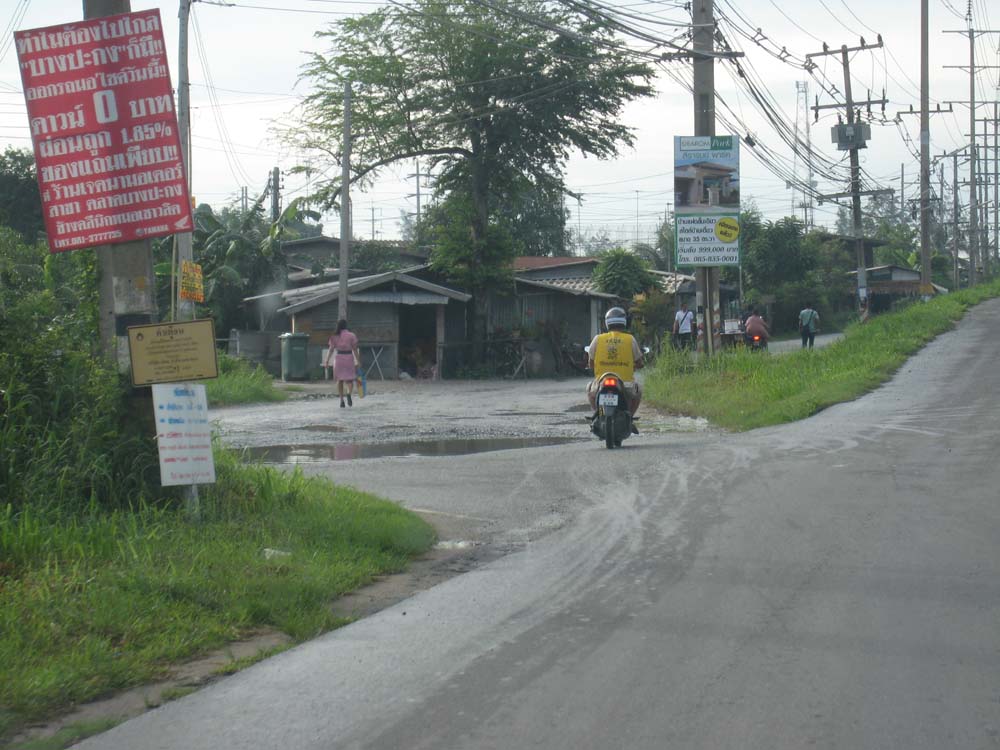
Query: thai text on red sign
[104,130]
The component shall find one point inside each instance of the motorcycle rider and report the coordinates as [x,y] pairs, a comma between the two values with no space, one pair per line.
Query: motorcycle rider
[616,351]
[755,326]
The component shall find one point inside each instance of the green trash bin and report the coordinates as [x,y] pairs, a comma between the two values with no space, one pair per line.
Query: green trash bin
[293,355]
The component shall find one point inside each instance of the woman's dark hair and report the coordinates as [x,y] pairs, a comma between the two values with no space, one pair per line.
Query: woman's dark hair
[341,325]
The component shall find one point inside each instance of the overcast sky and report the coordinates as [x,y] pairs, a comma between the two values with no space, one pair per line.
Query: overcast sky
[253,51]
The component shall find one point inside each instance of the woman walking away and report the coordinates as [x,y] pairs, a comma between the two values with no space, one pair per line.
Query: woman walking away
[343,349]
[808,325]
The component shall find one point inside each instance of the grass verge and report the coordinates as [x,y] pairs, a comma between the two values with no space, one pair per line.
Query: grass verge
[69,736]
[94,603]
[241,382]
[741,390]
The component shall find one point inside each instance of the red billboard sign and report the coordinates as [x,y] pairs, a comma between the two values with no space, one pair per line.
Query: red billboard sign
[104,130]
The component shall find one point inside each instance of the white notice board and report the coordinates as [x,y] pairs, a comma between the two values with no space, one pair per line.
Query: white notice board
[183,434]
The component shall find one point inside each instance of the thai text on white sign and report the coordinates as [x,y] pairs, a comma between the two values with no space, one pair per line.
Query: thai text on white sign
[707,200]
[104,131]
[183,434]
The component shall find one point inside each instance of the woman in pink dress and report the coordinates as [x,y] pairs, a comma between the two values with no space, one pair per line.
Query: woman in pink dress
[343,350]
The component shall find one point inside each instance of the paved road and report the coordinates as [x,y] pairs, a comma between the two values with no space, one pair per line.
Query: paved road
[833,583]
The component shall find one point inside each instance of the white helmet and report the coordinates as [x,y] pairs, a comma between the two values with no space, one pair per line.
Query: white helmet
[615,317]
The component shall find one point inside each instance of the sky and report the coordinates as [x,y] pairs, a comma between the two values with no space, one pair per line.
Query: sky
[246,56]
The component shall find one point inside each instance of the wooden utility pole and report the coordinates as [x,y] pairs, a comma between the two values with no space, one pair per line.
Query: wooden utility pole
[855,192]
[126,284]
[345,207]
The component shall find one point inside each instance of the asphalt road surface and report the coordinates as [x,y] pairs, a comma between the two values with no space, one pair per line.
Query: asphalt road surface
[833,583]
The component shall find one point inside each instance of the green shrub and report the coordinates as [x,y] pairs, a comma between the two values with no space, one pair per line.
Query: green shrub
[241,382]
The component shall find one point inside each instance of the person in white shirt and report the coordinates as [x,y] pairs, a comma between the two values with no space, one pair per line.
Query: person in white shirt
[683,329]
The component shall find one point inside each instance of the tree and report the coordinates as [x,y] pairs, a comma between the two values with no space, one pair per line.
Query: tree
[623,274]
[493,94]
[20,202]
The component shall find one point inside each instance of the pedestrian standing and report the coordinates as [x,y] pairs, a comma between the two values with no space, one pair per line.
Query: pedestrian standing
[808,325]
[682,327]
[343,350]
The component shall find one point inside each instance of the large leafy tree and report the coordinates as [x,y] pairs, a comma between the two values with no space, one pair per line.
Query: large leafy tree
[20,202]
[623,273]
[493,94]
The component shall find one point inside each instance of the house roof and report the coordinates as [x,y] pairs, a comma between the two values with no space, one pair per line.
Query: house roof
[308,297]
[580,286]
[671,282]
[531,262]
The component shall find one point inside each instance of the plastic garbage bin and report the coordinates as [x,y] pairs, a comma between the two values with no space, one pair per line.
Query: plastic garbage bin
[293,355]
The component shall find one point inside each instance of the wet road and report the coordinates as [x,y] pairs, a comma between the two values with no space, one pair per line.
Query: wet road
[833,583]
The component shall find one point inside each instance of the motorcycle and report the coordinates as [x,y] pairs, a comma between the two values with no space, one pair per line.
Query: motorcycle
[756,343]
[612,422]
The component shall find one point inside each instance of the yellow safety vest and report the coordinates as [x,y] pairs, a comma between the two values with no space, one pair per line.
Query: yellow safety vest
[614,354]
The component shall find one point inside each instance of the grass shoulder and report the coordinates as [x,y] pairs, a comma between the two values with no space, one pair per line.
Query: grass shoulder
[241,382]
[94,603]
[742,390]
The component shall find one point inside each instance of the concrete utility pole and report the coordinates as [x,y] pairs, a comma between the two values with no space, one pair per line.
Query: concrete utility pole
[184,240]
[855,192]
[126,285]
[954,214]
[345,207]
[703,43]
[925,156]
[973,202]
[275,195]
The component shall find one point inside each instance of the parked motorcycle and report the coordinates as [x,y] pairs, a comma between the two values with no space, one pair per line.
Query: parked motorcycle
[613,422]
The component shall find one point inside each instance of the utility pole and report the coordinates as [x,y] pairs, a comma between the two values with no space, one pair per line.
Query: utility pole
[345,206]
[852,137]
[973,207]
[703,44]
[184,240]
[126,285]
[275,195]
[902,192]
[925,155]
[954,215]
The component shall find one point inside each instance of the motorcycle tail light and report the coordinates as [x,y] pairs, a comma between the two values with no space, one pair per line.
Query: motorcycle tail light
[610,382]
[756,338]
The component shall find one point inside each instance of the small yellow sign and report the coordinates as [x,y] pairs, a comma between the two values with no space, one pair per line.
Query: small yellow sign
[727,229]
[173,352]
[192,285]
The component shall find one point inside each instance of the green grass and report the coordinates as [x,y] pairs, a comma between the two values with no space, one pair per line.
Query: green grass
[91,604]
[240,382]
[741,390]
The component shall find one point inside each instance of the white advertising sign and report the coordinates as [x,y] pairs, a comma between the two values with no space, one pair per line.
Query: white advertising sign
[707,200]
[183,434]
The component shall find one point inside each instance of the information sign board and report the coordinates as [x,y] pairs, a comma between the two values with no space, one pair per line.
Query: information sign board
[192,283]
[104,130]
[707,200]
[173,352]
[183,434]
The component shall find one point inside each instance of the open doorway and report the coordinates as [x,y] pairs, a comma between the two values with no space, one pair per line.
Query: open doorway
[418,340]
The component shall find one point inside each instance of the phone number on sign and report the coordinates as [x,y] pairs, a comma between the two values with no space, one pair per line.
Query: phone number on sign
[689,259]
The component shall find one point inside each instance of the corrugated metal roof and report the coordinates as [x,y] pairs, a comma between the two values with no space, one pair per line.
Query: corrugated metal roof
[407,297]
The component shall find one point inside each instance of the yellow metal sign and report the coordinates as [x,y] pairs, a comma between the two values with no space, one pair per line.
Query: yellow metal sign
[192,285]
[173,352]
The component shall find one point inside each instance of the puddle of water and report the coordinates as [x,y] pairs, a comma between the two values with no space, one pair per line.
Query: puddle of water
[298,454]
[321,428]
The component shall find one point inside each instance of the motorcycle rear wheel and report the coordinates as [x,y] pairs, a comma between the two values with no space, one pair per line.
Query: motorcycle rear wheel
[609,431]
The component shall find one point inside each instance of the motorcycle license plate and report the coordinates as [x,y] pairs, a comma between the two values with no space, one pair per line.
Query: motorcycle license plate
[607,399]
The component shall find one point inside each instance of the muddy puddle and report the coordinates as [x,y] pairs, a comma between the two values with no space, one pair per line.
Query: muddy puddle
[298,454]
